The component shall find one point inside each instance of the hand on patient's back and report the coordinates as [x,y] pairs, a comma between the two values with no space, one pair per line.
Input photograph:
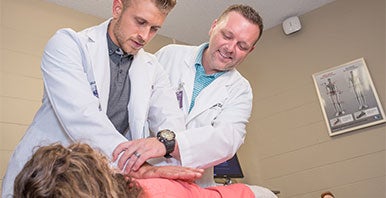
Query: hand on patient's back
[168,172]
[130,155]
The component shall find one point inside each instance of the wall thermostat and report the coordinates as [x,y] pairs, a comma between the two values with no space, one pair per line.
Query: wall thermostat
[291,25]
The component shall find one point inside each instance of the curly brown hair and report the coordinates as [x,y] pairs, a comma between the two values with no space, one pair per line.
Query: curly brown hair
[75,171]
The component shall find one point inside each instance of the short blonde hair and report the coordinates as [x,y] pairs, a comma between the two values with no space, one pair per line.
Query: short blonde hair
[165,6]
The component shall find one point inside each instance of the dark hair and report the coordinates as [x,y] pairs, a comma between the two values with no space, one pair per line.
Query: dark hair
[248,12]
[326,193]
[75,171]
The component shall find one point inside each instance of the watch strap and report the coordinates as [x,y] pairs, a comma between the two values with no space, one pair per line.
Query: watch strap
[169,144]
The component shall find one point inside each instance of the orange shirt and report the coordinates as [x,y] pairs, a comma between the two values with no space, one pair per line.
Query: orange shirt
[165,188]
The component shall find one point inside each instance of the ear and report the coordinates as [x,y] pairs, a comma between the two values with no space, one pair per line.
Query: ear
[252,48]
[117,8]
[214,23]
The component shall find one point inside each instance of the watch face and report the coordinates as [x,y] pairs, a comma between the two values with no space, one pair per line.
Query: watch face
[168,135]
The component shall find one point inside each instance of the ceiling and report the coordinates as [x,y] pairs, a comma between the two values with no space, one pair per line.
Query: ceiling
[190,20]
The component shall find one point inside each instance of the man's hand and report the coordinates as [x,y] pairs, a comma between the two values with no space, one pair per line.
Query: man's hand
[167,172]
[136,152]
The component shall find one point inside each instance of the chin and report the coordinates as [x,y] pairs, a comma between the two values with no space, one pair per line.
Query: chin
[133,51]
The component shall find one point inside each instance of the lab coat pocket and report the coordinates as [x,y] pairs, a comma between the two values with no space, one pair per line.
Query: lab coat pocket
[209,116]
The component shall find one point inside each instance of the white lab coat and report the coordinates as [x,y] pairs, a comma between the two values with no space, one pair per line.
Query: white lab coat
[216,124]
[70,112]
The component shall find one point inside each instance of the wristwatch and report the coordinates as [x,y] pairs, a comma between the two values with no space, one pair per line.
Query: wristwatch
[167,137]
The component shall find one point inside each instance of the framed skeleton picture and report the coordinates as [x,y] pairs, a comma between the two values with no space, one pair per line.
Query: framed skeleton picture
[348,98]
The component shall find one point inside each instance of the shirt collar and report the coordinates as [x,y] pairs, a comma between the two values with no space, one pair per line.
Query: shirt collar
[114,49]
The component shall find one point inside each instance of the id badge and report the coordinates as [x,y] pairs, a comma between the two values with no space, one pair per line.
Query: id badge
[179,94]
[179,98]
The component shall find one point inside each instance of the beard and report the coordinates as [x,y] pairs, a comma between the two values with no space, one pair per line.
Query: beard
[124,42]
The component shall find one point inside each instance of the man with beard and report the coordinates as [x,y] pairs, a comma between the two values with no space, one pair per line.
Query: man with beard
[91,96]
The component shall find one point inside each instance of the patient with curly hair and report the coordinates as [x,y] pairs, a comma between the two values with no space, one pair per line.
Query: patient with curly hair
[81,171]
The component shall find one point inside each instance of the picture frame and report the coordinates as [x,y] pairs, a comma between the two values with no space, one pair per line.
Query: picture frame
[348,98]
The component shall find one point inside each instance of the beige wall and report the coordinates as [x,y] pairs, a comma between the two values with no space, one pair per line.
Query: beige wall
[287,146]
[26,26]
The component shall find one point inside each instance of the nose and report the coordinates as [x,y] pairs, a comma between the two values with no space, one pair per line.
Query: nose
[144,34]
[231,47]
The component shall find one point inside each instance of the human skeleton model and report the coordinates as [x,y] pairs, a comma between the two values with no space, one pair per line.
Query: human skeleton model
[333,92]
[356,85]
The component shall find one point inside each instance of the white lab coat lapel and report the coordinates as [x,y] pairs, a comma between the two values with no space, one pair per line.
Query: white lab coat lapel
[141,87]
[214,93]
[188,75]
[100,62]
